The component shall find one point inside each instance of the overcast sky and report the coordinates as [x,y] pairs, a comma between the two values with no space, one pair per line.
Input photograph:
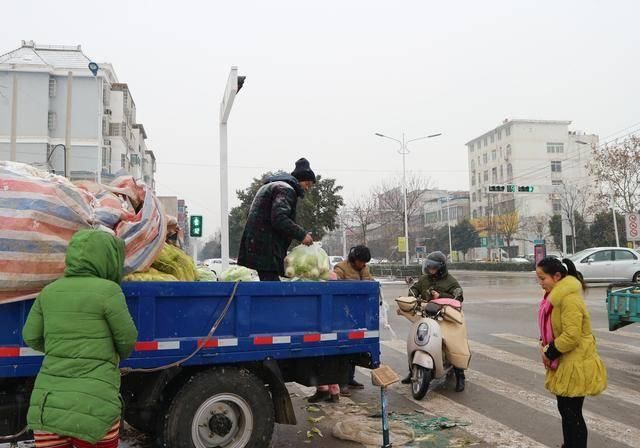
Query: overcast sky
[323,77]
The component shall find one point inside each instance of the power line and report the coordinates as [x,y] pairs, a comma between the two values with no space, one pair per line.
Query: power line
[325,169]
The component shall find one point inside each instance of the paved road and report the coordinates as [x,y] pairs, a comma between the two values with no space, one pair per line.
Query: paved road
[505,399]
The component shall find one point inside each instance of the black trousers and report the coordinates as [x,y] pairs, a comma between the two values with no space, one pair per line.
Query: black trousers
[574,428]
[269,276]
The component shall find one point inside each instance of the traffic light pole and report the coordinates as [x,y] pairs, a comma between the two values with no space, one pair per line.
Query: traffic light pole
[234,83]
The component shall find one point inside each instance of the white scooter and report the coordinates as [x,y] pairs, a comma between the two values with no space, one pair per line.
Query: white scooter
[425,352]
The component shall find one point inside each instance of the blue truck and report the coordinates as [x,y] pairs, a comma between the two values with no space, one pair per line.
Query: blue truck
[212,359]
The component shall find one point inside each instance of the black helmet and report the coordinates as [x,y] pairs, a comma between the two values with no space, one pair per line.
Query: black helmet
[436,260]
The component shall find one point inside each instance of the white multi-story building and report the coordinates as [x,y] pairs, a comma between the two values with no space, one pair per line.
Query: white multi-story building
[538,153]
[103,139]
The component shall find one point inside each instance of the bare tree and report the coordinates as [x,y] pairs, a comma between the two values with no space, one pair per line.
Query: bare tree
[390,204]
[617,171]
[574,200]
[364,212]
[538,226]
[390,198]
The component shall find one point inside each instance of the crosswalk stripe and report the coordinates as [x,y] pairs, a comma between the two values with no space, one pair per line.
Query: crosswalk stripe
[610,363]
[604,426]
[620,332]
[482,427]
[617,392]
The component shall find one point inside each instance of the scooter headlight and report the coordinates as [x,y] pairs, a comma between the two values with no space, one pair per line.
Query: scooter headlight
[422,334]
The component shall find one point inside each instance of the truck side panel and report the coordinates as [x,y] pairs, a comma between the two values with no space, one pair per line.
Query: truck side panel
[285,320]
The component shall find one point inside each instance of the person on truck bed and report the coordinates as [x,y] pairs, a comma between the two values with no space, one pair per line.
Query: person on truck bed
[271,223]
[82,324]
[353,268]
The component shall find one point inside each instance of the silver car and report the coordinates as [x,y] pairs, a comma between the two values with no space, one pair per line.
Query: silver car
[608,264]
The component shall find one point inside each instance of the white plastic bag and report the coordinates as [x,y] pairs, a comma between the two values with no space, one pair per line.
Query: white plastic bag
[308,262]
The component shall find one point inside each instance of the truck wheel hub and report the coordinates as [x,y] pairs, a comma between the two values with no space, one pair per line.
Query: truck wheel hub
[220,424]
[224,420]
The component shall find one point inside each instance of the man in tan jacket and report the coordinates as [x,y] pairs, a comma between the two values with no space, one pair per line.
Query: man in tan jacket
[354,268]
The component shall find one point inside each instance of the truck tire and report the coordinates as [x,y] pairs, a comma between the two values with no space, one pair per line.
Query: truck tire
[225,407]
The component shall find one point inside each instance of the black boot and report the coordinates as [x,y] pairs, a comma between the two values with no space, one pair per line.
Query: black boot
[459,379]
[319,396]
[407,379]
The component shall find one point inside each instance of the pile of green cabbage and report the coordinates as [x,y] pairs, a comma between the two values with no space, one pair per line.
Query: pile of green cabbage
[308,262]
[238,274]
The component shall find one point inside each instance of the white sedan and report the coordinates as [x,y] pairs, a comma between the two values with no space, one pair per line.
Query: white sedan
[608,264]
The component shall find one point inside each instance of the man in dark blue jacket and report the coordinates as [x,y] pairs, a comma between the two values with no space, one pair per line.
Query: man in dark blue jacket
[271,223]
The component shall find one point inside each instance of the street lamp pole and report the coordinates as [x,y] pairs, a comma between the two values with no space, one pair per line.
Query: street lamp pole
[404,151]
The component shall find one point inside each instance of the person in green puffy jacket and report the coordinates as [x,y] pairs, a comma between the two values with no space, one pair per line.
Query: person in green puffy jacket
[82,324]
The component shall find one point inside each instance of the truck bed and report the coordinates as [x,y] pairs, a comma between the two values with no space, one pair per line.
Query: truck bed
[267,320]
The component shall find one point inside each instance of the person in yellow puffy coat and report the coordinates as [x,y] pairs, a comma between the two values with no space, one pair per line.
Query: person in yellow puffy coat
[574,368]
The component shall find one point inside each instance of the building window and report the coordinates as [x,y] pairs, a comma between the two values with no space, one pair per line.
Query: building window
[508,153]
[484,158]
[480,211]
[470,147]
[473,197]
[473,177]
[52,119]
[557,206]
[479,178]
[475,214]
[500,134]
[123,160]
[509,171]
[473,164]
[485,141]
[501,173]
[492,138]
[555,148]
[53,84]
[494,154]
[556,182]
[556,166]
[507,131]
[494,175]
[486,175]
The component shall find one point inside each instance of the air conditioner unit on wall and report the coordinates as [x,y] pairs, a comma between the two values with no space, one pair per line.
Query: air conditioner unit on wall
[107,142]
[107,111]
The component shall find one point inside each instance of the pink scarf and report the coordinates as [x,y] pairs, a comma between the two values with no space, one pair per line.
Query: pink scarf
[544,323]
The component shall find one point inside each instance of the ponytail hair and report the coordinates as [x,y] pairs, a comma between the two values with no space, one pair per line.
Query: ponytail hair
[553,265]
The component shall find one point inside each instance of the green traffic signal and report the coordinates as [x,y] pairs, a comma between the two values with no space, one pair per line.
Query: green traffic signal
[195,226]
